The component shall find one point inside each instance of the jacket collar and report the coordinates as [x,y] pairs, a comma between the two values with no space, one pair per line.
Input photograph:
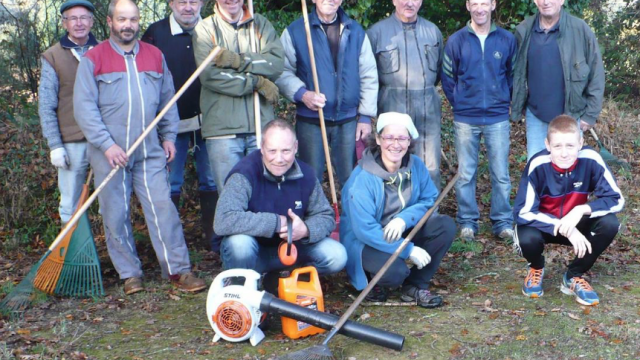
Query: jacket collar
[118,49]
[244,19]
[176,29]
[343,18]
[470,29]
[294,173]
[68,44]
[571,168]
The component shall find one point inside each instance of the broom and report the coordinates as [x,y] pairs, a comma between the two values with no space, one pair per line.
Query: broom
[607,156]
[63,272]
[335,234]
[20,297]
[322,351]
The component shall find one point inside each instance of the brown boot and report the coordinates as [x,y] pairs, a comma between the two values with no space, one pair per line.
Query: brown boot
[133,285]
[188,282]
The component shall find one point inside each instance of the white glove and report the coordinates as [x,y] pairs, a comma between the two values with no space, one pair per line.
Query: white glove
[394,229]
[59,158]
[420,257]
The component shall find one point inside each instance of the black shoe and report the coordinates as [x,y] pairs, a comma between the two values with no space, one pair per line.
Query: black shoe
[422,297]
[377,294]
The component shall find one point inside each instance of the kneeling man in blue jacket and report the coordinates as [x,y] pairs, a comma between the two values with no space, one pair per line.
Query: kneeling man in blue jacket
[261,193]
[477,78]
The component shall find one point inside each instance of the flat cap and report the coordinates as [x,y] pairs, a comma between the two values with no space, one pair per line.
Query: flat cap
[73,3]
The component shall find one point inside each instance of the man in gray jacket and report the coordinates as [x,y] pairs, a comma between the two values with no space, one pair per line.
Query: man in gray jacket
[558,71]
[120,86]
[269,193]
[58,73]
[409,51]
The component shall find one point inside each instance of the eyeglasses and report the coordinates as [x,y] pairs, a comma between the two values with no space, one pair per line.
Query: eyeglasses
[83,18]
[390,139]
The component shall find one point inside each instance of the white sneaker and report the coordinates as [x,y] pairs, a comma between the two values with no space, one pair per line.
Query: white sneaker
[467,234]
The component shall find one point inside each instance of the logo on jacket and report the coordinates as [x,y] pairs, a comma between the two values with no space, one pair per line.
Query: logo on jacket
[577,184]
[497,55]
[298,204]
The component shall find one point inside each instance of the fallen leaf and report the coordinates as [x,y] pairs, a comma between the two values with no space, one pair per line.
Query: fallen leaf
[69,317]
[24,332]
[126,332]
[174,297]
[616,341]
[586,310]
[262,351]
[488,303]
[574,317]
[540,313]
[494,315]
[521,338]
[365,316]
[464,332]
[619,322]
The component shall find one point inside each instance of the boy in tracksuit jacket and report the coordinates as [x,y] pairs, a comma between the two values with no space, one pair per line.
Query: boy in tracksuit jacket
[552,206]
[477,78]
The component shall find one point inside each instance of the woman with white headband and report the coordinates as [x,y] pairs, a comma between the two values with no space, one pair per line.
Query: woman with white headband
[384,198]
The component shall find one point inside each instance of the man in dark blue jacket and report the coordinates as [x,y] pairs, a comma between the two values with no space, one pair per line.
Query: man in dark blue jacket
[348,85]
[567,196]
[477,78]
[172,36]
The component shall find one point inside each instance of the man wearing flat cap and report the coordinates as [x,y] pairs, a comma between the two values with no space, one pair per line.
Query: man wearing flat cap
[58,74]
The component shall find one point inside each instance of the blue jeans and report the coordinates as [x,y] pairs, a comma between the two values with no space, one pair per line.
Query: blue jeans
[224,154]
[536,133]
[203,168]
[70,180]
[342,142]
[243,251]
[496,139]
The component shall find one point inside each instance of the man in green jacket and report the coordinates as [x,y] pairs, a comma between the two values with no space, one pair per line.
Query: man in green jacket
[228,83]
[558,71]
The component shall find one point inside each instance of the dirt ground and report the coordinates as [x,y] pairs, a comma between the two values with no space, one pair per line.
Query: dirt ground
[485,315]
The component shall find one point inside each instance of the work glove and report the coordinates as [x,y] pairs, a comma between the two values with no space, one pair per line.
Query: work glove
[228,59]
[420,257]
[394,229]
[267,89]
[59,158]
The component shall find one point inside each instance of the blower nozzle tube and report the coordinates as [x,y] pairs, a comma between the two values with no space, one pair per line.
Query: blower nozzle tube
[271,304]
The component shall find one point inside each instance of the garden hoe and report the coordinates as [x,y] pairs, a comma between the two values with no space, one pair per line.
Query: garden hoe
[322,351]
[325,144]
[256,97]
[20,297]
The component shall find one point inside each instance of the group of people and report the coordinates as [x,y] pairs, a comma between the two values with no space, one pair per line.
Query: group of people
[97,98]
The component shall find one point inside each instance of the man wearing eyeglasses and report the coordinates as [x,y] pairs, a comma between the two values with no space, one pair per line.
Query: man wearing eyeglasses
[58,73]
[477,78]
[172,36]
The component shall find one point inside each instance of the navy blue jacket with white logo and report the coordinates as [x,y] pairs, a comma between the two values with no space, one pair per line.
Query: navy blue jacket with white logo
[548,193]
[478,84]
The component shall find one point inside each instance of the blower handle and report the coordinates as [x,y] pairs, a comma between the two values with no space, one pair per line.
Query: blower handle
[251,278]
[352,329]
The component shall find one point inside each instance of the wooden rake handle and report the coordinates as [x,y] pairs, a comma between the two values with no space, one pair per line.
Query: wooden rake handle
[256,97]
[316,85]
[343,319]
[76,216]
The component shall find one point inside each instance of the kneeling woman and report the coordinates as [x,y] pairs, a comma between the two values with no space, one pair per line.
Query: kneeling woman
[386,195]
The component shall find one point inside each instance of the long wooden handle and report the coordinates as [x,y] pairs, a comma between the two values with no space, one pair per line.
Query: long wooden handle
[325,143]
[343,319]
[76,216]
[256,97]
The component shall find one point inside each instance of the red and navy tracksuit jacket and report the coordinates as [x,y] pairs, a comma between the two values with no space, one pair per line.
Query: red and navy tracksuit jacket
[547,193]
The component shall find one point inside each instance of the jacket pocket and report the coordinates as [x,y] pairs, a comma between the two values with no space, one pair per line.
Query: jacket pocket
[432,54]
[388,61]
[579,75]
[110,89]
[152,87]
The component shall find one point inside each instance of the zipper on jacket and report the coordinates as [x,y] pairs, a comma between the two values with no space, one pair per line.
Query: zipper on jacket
[402,201]
[564,192]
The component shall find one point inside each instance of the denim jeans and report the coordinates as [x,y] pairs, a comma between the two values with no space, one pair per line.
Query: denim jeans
[224,154]
[342,142]
[536,133]
[496,139]
[203,168]
[243,251]
[70,180]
